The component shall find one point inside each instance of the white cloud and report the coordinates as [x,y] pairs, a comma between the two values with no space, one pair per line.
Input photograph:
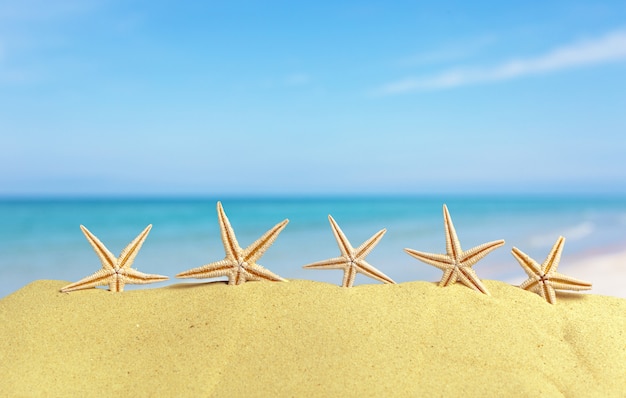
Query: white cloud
[608,48]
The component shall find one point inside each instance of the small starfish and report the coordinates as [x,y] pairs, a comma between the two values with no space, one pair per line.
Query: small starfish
[116,272]
[239,265]
[543,279]
[457,264]
[352,260]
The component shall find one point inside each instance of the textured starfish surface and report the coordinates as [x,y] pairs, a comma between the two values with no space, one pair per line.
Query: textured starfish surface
[543,279]
[457,264]
[115,272]
[352,260]
[239,265]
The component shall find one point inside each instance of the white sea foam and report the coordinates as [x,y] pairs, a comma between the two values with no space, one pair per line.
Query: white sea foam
[573,233]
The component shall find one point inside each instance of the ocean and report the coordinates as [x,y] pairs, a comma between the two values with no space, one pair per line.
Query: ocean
[41,238]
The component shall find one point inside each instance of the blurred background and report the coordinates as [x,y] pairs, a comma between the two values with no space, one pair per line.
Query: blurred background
[116,114]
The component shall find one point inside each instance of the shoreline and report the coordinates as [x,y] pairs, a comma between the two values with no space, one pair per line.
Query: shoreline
[606,271]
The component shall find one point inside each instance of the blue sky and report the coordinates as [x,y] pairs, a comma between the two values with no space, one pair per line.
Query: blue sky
[329,97]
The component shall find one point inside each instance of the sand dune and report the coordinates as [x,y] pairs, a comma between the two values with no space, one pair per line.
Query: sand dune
[307,338]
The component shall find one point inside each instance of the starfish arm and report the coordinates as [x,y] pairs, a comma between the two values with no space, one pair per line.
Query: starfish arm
[531,284]
[563,282]
[129,253]
[473,255]
[116,283]
[258,248]
[468,277]
[367,269]
[132,276]
[349,274]
[547,292]
[530,266]
[344,245]
[99,278]
[453,246]
[236,277]
[212,270]
[257,273]
[331,263]
[552,261]
[367,246]
[449,277]
[231,246]
[441,261]
[109,261]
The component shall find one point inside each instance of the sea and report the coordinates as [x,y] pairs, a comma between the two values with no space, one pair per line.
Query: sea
[40,238]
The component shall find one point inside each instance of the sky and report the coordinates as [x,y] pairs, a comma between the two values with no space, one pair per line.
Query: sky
[153,98]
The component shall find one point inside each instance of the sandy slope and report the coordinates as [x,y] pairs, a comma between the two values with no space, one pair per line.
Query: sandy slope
[302,337]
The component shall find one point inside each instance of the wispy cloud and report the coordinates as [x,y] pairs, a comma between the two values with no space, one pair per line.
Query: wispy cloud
[7,74]
[608,48]
[38,10]
[29,28]
[449,52]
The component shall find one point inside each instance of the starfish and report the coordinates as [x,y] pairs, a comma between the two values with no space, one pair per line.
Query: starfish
[352,260]
[457,264]
[116,272]
[239,265]
[543,279]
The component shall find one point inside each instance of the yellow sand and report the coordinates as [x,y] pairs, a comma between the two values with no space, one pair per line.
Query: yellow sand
[307,338]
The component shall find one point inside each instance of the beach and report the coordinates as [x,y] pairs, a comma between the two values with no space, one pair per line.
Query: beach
[310,338]
[312,199]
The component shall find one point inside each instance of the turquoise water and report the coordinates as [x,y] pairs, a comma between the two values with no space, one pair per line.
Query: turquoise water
[41,239]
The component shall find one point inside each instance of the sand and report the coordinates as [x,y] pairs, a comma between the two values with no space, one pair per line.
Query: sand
[306,338]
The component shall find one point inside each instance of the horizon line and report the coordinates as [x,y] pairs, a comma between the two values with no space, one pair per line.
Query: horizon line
[305,197]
